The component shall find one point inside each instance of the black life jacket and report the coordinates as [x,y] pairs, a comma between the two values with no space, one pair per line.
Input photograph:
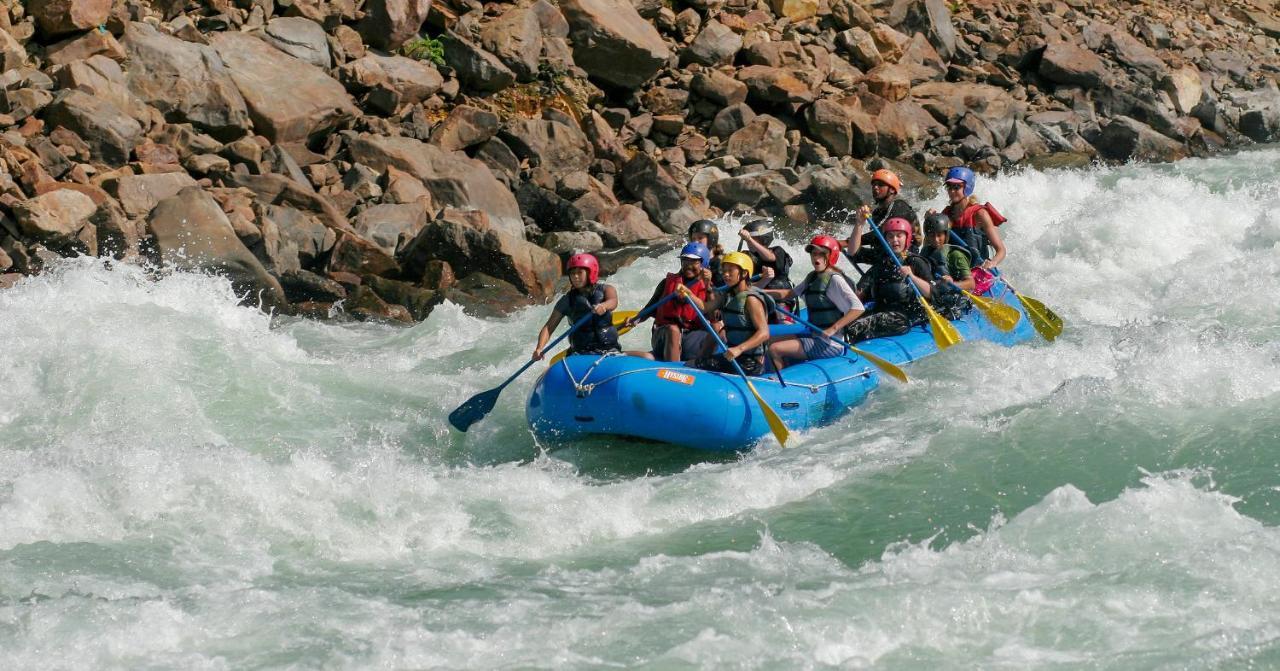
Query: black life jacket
[822,312]
[598,334]
[737,323]
[937,257]
[891,291]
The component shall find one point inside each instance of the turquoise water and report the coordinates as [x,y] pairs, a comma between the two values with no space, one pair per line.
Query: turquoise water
[185,483]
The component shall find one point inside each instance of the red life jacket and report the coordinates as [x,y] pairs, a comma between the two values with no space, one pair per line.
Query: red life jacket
[676,311]
[969,218]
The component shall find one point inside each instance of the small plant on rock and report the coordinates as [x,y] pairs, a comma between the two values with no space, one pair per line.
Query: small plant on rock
[424,48]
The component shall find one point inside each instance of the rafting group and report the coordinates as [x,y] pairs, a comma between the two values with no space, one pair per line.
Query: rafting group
[720,297]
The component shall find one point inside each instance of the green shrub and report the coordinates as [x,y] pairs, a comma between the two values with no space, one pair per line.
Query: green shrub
[424,48]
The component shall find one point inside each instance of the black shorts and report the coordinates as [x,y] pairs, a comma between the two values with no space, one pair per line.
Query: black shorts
[753,366]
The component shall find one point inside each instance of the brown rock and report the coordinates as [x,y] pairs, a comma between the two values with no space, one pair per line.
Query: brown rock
[830,124]
[466,126]
[109,132]
[354,254]
[549,144]
[192,233]
[774,85]
[476,68]
[716,44]
[299,37]
[316,102]
[626,225]
[138,194]
[762,141]
[453,179]
[391,227]
[92,43]
[56,17]
[1125,138]
[411,81]
[516,39]
[1066,63]
[718,87]
[932,18]
[661,196]
[185,81]
[467,241]
[388,24]
[613,43]
[364,304]
[57,219]
[889,81]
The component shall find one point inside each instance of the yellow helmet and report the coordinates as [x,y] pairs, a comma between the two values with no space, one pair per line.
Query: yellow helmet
[740,260]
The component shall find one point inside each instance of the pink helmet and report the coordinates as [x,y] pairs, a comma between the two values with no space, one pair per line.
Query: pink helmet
[585,261]
[901,225]
[982,280]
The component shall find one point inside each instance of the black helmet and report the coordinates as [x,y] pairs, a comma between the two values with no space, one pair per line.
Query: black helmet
[936,222]
[707,228]
[761,229]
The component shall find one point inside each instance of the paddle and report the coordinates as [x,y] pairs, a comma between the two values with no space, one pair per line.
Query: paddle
[884,365]
[1001,315]
[944,334]
[478,406]
[775,422]
[1046,322]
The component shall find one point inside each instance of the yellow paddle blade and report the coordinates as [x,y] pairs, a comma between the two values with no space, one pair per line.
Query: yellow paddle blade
[884,365]
[1046,322]
[775,422]
[944,334]
[1001,315]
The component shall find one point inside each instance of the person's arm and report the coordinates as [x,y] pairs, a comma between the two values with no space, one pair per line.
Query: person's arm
[687,296]
[784,294]
[839,291]
[755,312]
[760,250]
[960,268]
[610,301]
[989,228]
[545,334]
[657,296]
[855,238]
[921,284]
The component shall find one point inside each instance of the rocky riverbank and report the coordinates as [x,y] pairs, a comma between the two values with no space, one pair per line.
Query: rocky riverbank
[372,159]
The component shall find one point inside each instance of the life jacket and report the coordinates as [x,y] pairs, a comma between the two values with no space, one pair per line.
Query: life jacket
[737,323]
[676,311]
[598,334]
[822,312]
[937,257]
[717,276]
[966,226]
[891,290]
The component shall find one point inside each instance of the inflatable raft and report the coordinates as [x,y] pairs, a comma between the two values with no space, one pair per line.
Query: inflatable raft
[617,395]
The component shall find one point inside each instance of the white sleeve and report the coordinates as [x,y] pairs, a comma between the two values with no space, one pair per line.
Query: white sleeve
[841,294]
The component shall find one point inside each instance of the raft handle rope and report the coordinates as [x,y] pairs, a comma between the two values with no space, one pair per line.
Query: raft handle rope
[583,390]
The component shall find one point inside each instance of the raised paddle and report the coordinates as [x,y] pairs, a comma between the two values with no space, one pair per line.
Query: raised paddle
[478,406]
[775,422]
[1045,321]
[944,333]
[885,366]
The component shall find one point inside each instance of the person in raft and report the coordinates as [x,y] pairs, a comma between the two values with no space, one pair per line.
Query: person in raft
[896,308]
[706,232]
[950,268]
[678,334]
[586,296]
[775,262]
[832,303]
[745,311]
[974,222]
[885,184]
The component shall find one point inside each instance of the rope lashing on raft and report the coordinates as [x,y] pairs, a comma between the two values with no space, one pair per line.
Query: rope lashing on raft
[583,390]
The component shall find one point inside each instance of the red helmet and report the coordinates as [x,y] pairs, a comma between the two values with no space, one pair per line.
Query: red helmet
[888,177]
[899,224]
[585,261]
[830,244]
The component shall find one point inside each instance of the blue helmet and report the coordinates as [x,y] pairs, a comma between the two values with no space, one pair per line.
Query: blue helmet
[697,250]
[962,174]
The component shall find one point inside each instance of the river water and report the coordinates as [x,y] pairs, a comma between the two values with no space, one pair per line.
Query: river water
[186,483]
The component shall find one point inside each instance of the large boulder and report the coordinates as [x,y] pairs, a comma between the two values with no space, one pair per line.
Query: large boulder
[516,39]
[191,232]
[469,243]
[550,144]
[661,196]
[453,179]
[289,99]
[301,38]
[476,68]
[626,225]
[56,17]
[1066,63]
[829,122]
[58,219]
[409,80]
[613,43]
[388,24]
[138,194]
[391,227]
[930,17]
[276,189]
[466,126]
[763,140]
[774,85]
[110,133]
[715,45]
[186,81]
[1125,138]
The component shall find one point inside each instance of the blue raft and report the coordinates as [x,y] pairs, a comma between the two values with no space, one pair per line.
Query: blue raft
[616,395]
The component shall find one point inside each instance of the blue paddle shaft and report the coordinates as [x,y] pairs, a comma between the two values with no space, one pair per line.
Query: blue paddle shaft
[719,341]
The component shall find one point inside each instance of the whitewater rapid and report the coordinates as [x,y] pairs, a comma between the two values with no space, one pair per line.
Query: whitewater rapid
[188,483]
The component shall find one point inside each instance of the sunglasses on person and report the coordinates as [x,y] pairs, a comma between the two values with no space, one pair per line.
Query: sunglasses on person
[955,185]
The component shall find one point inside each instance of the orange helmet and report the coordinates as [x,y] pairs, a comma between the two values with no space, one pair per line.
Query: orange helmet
[827,243]
[888,177]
